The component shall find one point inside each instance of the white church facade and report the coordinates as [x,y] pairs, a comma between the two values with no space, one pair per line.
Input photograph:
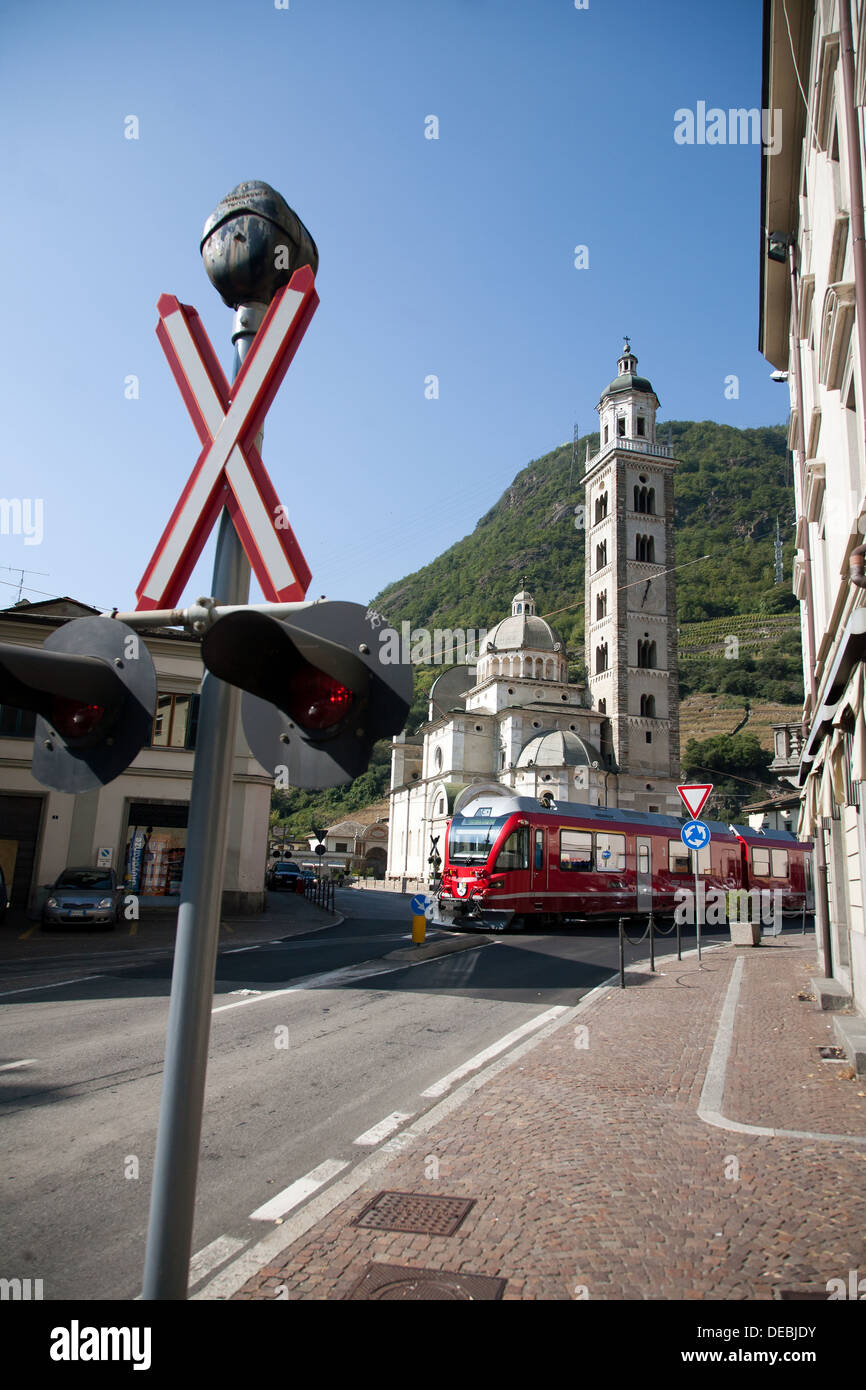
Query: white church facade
[514,717]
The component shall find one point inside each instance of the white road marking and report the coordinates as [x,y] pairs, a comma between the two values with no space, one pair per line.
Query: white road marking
[440,1087]
[13,1066]
[383,1128]
[299,1191]
[212,1255]
[328,980]
[371,1166]
[31,989]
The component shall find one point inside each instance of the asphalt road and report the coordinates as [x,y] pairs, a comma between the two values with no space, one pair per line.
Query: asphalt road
[301,1066]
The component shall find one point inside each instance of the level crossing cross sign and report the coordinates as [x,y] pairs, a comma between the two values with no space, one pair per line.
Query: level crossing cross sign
[229,471]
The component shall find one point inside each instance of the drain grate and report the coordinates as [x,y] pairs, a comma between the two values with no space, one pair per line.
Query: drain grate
[418,1285]
[831,1054]
[800,1295]
[415,1212]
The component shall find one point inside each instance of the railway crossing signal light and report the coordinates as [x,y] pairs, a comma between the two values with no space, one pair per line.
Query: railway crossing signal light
[92,686]
[317,695]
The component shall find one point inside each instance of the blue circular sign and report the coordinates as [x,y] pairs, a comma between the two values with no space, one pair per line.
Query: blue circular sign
[419,904]
[695,834]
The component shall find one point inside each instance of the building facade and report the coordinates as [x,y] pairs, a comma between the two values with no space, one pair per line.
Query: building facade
[515,717]
[137,823]
[813,328]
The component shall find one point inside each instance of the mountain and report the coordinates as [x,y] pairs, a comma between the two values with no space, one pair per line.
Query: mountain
[729,487]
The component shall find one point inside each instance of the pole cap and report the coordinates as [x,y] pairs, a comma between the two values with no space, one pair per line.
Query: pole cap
[253,243]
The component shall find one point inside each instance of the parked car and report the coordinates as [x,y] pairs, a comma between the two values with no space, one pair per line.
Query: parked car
[84,896]
[283,875]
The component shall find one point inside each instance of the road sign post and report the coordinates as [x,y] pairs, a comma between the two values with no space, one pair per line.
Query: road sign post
[695,834]
[245,279]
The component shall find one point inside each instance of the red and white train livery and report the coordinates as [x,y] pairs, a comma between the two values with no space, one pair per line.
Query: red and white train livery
[511,861]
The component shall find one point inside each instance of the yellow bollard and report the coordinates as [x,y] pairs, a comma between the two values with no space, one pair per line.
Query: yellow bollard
[419,930]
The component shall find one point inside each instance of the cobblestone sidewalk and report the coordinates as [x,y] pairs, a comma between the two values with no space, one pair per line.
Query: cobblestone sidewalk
[593,1176]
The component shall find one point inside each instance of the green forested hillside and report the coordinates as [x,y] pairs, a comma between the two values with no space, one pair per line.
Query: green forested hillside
[730,485]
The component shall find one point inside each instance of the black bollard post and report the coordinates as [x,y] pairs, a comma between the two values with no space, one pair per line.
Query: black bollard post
[622,953]
[652,942]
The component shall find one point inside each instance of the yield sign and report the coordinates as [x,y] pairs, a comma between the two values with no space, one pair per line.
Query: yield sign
[229,471]
[695,795]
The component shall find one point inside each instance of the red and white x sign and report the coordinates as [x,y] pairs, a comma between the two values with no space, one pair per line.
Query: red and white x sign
[229,471]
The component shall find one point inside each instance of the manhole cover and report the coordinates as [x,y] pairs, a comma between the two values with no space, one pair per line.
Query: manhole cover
[399,1282]
[831,1054]
[414,1212]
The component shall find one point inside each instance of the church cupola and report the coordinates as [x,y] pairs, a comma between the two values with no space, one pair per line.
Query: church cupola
[628,405]
[627,364]
[522,605]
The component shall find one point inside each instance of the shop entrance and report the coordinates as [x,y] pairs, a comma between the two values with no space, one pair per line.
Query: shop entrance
[155,848]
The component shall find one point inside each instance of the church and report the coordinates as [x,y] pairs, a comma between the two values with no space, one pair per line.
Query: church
[514,717]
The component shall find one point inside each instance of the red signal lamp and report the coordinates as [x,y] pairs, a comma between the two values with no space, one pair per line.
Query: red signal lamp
[316,701]
[72,719]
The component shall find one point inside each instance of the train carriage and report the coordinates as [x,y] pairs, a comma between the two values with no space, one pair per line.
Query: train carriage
[512,861]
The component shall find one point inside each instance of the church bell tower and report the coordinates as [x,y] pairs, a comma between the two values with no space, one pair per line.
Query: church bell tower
[631,617]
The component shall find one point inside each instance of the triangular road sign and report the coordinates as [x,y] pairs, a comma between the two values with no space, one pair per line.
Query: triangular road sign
[695,795]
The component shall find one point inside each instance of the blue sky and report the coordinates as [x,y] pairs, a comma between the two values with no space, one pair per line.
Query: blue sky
[452,257]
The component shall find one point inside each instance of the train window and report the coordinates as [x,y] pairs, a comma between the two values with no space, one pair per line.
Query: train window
[539,849]
[643,859]
[761,862]
[704,862]
[679,858]
[575,850]
[471,838]
[780,863]
[515,852]
[610,852]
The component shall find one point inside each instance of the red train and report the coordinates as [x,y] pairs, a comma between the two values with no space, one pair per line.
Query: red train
[511,861]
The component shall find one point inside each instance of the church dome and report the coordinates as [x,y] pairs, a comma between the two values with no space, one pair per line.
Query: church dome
[524,629]
[558,748]
[629,382]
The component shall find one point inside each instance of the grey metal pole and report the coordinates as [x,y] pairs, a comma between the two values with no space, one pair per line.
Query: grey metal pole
[175,1170]
[697,904]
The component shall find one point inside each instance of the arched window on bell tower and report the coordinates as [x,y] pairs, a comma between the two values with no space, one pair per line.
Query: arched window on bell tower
[601,605]
[600,508]
[648,706]
[601,555]
[601,659]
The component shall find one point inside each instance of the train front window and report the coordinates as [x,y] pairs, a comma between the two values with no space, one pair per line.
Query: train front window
[472,838]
